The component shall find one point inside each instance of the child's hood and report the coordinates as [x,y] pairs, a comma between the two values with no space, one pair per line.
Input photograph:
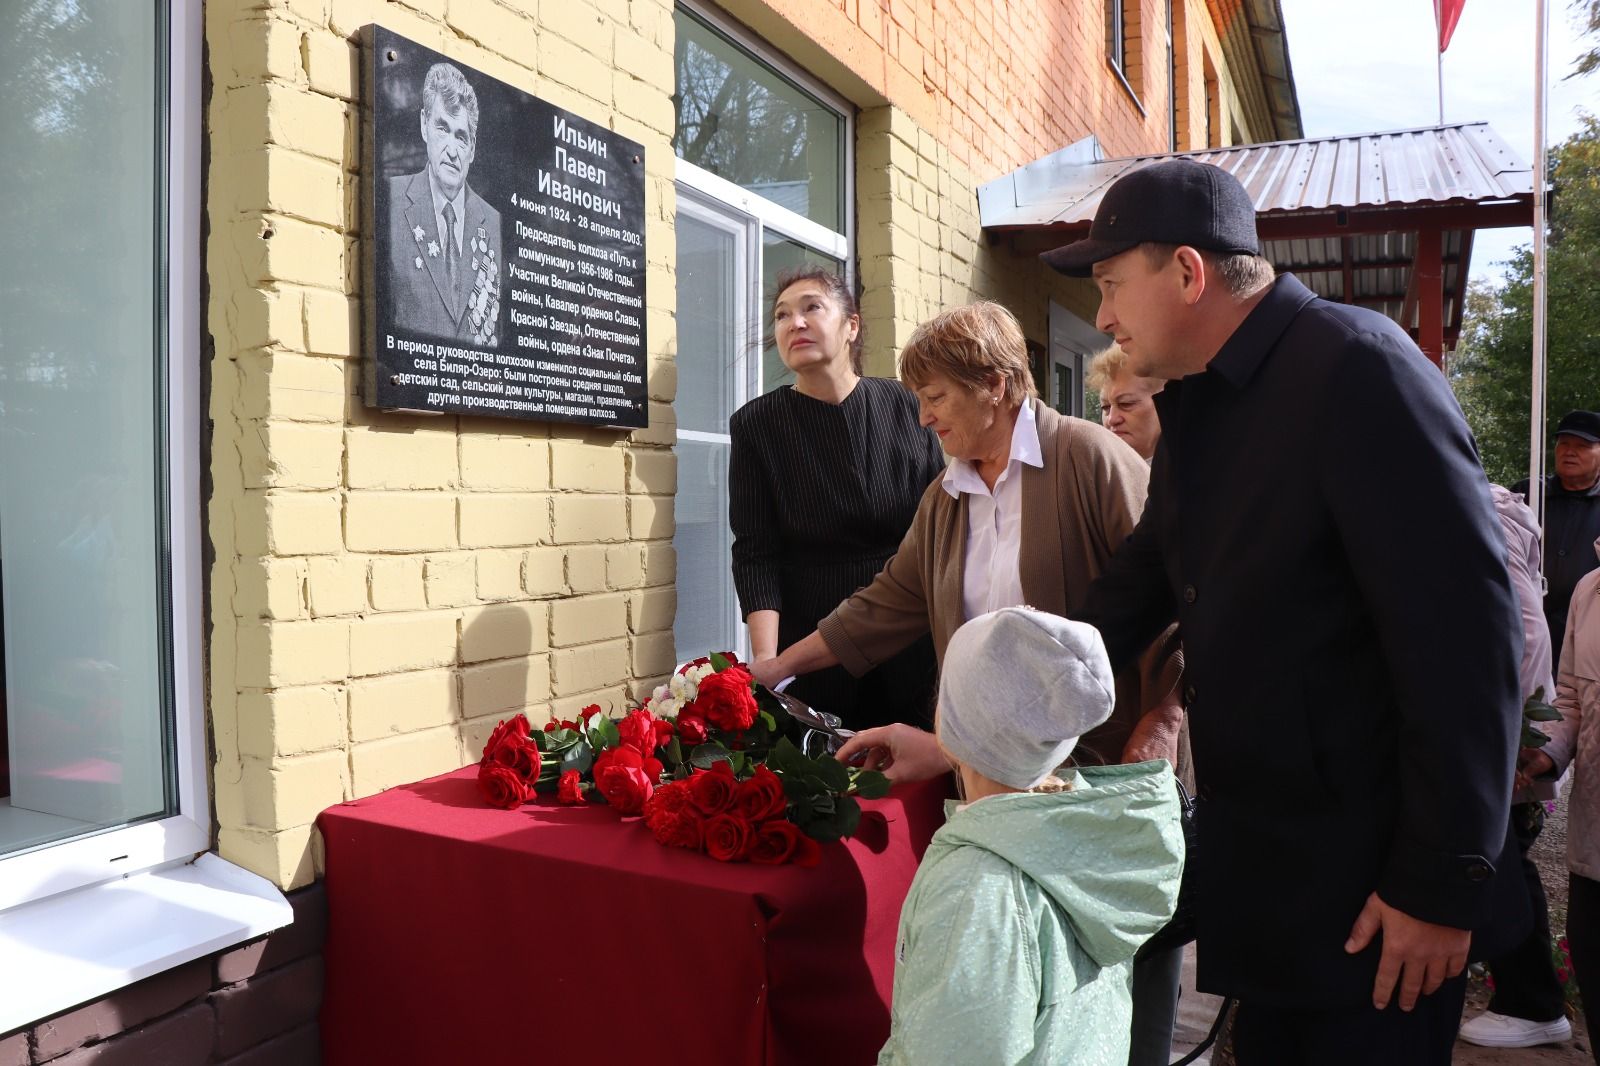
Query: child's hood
[1109,852]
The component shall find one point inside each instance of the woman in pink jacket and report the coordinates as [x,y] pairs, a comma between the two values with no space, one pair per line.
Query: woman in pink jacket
[1575,741]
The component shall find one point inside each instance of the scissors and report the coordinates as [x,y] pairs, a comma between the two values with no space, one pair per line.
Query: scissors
[825,733]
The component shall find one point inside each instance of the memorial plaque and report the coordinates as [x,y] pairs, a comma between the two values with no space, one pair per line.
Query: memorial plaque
[504,253]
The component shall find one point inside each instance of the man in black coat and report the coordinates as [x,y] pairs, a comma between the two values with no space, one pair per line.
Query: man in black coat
[1321,526]
[1571,514]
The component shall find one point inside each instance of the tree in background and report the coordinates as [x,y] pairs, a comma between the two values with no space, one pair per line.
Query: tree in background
[1589,13]
[1492,364]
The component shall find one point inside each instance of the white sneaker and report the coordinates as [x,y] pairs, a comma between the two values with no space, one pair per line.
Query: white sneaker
[1498,1030]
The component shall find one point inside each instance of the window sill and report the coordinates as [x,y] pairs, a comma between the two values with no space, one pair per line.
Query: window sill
[1122,80]
[78,946]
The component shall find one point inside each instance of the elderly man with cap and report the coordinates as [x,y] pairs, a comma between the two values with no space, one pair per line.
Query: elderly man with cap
[1353,707]
[1571,513]
[1352,704]
[1017,938]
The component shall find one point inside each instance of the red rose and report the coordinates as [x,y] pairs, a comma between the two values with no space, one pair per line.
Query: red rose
[625,778]
[502,786]
[669,798]
[728,837]
[712,790]
[691,728]
[672,818]
[685,829]
[643,731]
[760,797]
[570,788]
[516,726]
[512,746]
[726,701]
[776,842]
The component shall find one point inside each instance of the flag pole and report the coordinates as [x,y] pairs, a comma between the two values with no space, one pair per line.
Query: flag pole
[1536,418]
[1438,54]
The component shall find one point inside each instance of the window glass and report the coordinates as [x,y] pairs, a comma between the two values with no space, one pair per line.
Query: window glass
[742,121]
[85,733]
[708,344]
[779,256]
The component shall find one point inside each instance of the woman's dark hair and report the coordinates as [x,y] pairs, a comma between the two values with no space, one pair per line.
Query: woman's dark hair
[835,287]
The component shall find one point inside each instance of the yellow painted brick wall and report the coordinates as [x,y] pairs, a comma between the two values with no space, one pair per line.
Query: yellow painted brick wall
[386,587]
[919,246]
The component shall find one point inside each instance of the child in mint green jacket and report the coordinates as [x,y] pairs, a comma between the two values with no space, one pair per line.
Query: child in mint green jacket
[1017,938]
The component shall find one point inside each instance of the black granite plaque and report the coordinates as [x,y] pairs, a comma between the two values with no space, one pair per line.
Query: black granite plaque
[504,252]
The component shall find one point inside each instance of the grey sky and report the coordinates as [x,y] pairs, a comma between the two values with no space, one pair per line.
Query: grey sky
[1368,65]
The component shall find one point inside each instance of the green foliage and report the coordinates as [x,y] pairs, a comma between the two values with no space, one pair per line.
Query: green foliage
[1537,710]
[604,734]
[1491,369]
[1589,17]
[704,755]
[818,790]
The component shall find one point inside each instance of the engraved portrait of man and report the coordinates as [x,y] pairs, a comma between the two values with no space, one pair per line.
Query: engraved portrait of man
[445,261]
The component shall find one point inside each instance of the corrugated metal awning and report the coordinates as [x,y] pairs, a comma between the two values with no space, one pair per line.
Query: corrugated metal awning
[1345,214]
[1460,164]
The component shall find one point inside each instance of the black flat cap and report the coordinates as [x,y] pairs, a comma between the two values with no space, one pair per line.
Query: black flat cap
[1176,202]
[1585,424]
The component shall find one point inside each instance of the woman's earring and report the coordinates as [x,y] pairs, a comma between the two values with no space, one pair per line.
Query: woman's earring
[994,401]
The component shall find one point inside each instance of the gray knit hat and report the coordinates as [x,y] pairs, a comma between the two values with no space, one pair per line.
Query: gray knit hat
[1019,687]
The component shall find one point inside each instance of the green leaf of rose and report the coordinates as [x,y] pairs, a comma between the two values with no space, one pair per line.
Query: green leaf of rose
[834,774]
[710,752]
[719,662]
[578,757]
[870,784]
[785,758]
[849,817]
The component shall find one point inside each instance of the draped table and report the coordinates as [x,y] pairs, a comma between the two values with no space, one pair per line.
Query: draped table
[550,934]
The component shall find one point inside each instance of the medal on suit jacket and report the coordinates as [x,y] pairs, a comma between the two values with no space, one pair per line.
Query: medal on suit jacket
[483,306]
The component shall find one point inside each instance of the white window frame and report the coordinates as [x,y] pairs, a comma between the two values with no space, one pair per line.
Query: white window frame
[716,200]
[772,215]
[120,887]
[746,368]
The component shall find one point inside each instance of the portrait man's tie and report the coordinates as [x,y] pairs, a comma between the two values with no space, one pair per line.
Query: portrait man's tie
[450,246]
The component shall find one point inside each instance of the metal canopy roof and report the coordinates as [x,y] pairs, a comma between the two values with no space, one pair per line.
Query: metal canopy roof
[1342,213]
[1460,164]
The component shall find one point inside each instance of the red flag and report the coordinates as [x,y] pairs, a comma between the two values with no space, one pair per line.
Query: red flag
[1446,14]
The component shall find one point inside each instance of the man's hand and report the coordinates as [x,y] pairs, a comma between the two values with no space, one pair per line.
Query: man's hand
[902,752]
[1531,763]
[1155,736]
[1417,954]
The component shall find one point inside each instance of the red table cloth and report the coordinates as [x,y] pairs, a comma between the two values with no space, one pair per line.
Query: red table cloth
[549,934]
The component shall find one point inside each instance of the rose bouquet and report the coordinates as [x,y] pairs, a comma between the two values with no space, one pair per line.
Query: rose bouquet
[703,760]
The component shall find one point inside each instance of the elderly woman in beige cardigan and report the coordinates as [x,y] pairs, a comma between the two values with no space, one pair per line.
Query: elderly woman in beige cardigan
[1029,512]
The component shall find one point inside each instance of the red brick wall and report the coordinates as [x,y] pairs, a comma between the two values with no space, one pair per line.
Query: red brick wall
[1000,82]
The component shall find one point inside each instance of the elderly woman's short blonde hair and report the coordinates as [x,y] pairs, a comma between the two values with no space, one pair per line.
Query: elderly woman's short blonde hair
[1104,366]
[971,345]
